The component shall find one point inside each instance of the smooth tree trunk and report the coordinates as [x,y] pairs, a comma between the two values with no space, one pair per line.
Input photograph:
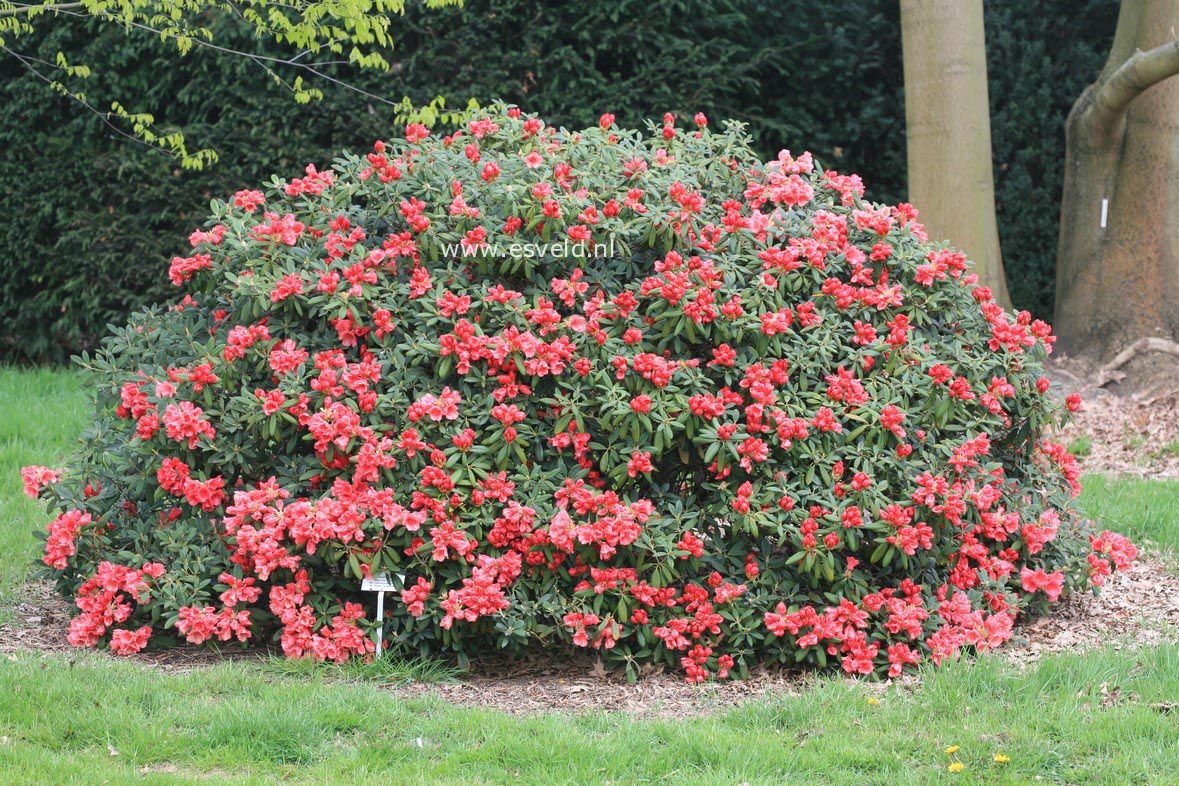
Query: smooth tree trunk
[948,126]
[1117,269]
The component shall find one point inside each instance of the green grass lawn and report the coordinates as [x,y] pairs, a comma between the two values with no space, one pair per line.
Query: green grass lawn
[42,414]
[237,724]
[91,719]
[1146,511]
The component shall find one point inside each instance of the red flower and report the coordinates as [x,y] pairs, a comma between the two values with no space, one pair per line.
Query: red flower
[1051,584]
[416,132]
[639,462]
[184,423]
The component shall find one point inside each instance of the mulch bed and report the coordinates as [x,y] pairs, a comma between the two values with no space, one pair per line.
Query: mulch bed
[1137,435]
[1138,607]
[1131,432]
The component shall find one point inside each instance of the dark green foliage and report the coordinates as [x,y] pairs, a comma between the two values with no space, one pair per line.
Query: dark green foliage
[824,77]
[95,218]
[1040,57]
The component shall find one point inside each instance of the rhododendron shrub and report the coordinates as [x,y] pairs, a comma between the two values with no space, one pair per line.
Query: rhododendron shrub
[642,394]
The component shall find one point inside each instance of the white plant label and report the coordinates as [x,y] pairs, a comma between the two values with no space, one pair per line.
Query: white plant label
[383,582]
[380,584]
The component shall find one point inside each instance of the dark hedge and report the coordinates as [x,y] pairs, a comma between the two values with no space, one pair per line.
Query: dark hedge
[95,218]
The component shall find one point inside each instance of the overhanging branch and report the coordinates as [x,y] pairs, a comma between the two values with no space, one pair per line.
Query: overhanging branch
[1141,71]
[261,60]
[15,10]
[28,63]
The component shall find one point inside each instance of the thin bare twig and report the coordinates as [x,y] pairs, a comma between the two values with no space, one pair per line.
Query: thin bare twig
[27,62]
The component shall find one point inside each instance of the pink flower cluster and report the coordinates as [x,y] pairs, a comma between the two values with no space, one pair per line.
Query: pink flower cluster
[337,641]
[108,599]
[36,479]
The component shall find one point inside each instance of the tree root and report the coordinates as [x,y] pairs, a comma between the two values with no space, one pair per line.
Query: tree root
[1109,372]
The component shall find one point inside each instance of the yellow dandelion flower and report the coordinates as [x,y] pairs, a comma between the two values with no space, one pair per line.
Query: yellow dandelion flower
[873,701]
[956,767]
[952,749]
[1001,759]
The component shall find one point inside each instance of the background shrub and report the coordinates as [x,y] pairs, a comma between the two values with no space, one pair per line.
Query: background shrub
[706,411]
[825,76]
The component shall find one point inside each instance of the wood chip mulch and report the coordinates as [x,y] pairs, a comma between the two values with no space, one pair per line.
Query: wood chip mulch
[533,686]
[1138,607]
[1138,435]
[1120,433]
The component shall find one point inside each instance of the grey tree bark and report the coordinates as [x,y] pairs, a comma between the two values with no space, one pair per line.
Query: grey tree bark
[1117,278]
[948,125]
